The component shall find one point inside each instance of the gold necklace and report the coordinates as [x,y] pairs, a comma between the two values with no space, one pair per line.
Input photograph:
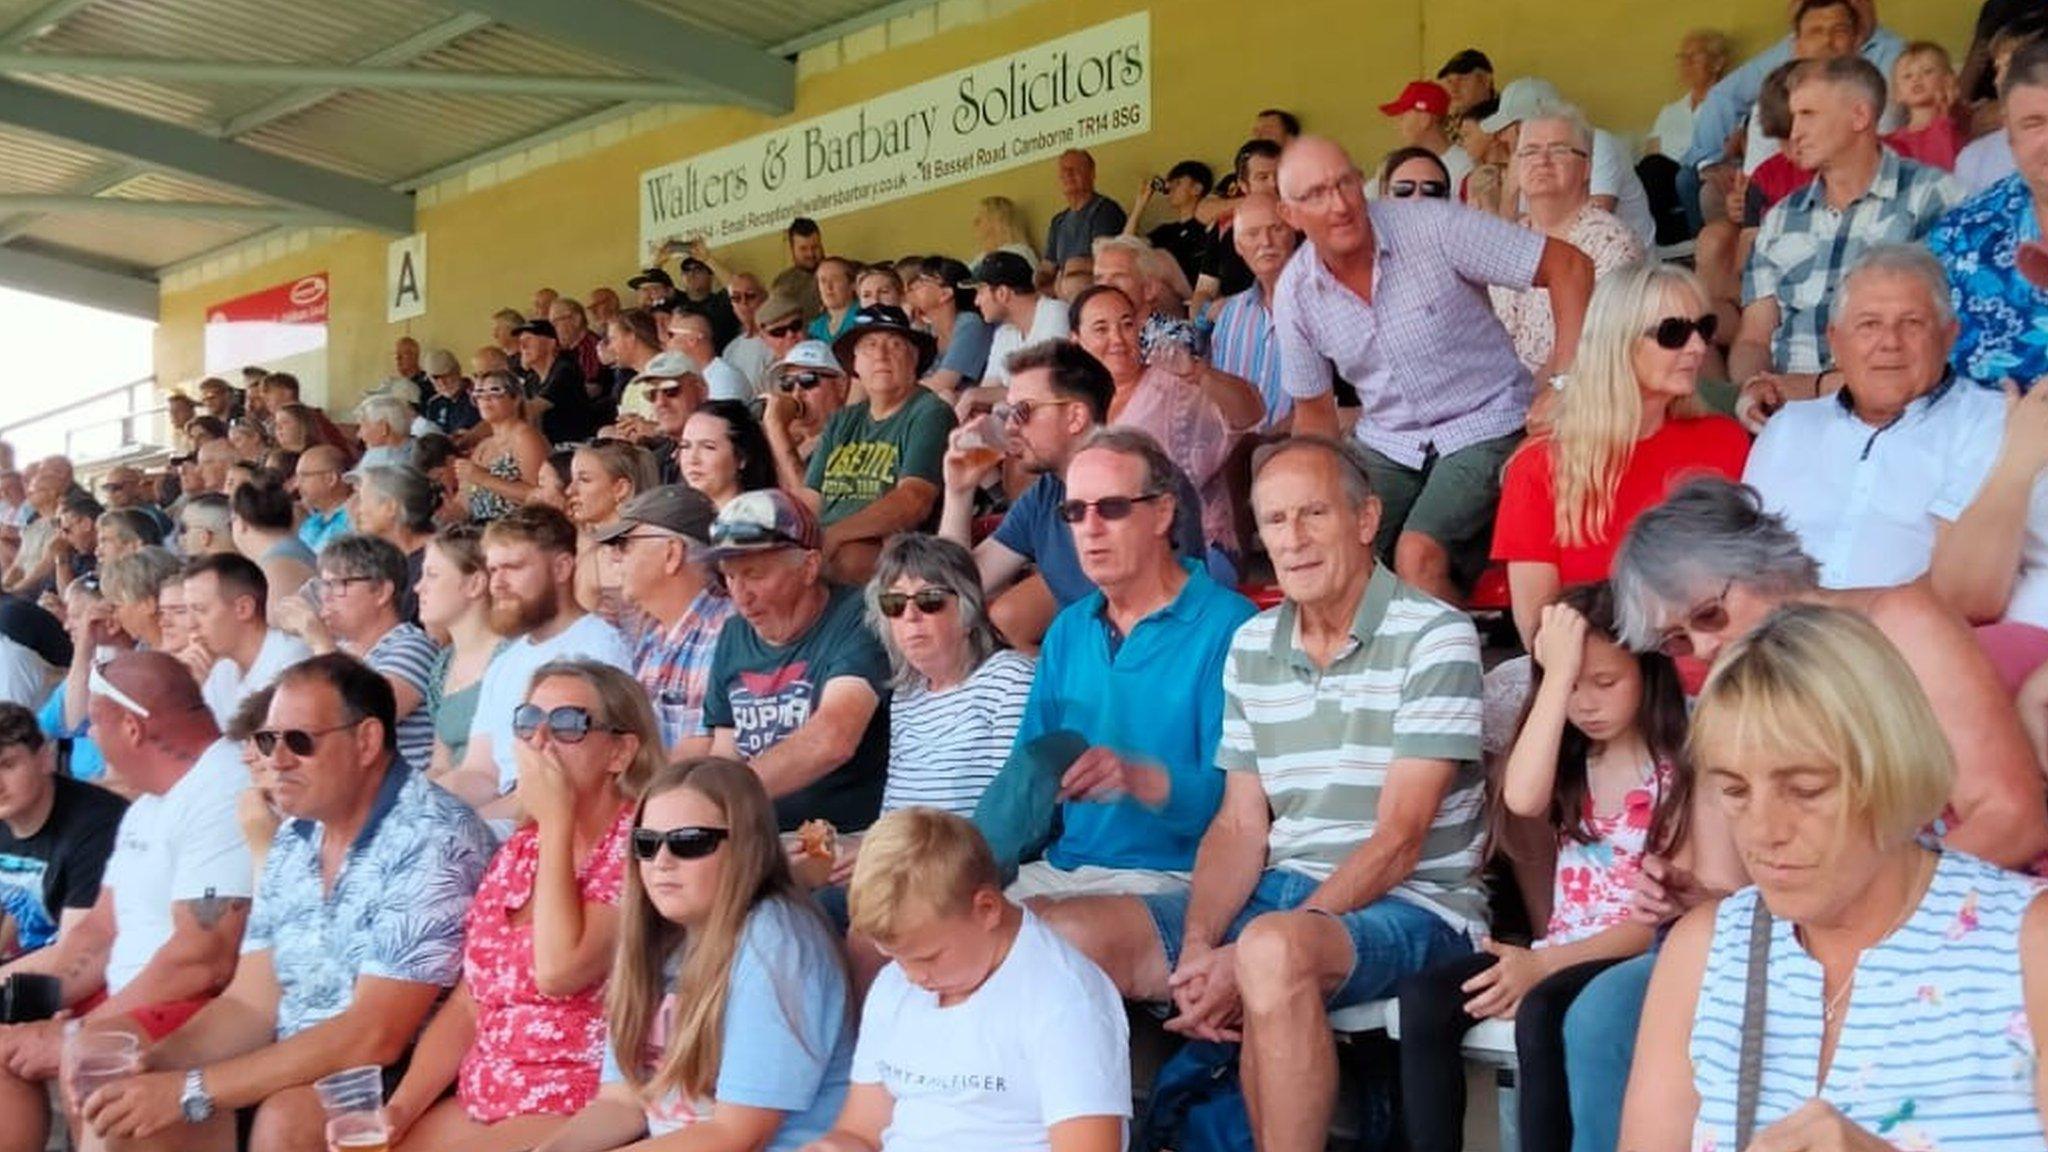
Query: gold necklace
[1830,1010]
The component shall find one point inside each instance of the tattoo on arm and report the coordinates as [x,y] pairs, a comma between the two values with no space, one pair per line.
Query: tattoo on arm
[209,910]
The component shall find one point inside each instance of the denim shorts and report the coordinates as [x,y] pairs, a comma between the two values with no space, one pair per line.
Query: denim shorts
[1390,938]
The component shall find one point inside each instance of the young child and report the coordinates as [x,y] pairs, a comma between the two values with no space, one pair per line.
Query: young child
[1924,84]
[1599,761]
[986,1030]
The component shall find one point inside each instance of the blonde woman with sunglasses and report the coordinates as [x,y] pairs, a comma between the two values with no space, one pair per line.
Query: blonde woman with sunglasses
[501,471]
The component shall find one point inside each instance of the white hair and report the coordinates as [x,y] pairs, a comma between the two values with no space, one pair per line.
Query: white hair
[389,411]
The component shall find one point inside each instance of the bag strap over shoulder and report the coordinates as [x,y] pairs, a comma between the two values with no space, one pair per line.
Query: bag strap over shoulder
[1749,1074]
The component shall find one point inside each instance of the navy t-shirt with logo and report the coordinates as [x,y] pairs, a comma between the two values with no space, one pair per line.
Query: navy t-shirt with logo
[764,692]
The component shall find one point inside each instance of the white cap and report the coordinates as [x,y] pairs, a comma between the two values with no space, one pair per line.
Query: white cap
[1520,100]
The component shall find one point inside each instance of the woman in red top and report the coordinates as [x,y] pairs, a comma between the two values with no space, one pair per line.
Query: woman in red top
[1628,429]
[521,1039]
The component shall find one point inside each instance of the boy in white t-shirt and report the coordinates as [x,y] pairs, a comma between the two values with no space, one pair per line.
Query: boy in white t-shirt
[987,1031]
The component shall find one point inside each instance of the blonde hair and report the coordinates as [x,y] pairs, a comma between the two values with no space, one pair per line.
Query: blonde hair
[914,863]
[754,871]
[140,575]
[621,703]
[1601,410]
[1005,217]
[1825,682]
[621,460]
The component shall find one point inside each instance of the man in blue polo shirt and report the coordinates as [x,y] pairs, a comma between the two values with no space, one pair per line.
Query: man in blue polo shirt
[1058,395]
[1136,670]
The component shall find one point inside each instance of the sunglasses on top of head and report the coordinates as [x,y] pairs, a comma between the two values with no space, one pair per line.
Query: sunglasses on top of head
[683,843]
[1675,332]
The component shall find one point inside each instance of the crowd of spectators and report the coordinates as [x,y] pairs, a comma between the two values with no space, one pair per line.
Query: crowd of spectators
[792,708]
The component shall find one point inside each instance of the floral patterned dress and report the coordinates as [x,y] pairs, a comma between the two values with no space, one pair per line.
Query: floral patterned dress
[1595,882]
[534,1054]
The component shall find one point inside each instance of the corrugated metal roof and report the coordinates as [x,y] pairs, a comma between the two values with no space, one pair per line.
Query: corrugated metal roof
[381,135]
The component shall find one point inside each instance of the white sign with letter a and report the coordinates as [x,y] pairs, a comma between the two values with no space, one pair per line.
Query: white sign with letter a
[405,278]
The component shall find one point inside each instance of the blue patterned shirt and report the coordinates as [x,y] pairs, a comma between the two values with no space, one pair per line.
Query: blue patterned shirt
[2003,319]
[395,912]
[1244,346]
[1805,247]
[320,527]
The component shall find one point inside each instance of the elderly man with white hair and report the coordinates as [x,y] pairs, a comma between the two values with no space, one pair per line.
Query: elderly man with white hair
[1871,478]
[384,423]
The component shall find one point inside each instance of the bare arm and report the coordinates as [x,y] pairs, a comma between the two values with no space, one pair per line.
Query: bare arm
[572,940]
[900,509]
[199,959]
[241,1019]
[1661,1104]
[475,781]
[1088,1134]
[1241,404]
[612,1120]
[436,1059]
[1531,776]
[782,444]
[1316,416]
[862,1120]
[1532,585]
[1229,861]
[1750,355]
[376,1028]
[824,742]
[1413,792]
[1977,558]
[78,957]
[1568,275]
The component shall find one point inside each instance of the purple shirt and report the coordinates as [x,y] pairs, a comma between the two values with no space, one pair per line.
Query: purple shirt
[1431,362]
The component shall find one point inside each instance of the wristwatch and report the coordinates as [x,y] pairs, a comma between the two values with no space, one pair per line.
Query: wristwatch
[194,1101]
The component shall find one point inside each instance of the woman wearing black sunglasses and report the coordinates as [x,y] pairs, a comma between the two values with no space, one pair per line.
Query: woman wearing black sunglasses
[520,1039]
[728,1005]
[1628,425]
[1414,173]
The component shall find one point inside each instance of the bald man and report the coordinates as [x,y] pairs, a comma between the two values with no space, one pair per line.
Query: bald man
[324,493]
[1243,344]
[164,935]
[1392,298]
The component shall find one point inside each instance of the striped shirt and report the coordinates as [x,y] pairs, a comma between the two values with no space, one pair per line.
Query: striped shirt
[406,654]
[945,747]
[1804,248]
[1934,1051]
[674,664]
[1243,345]
[1407,686]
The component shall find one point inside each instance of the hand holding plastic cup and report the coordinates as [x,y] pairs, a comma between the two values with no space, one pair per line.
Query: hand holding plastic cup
[96,1058]
[354,1102]
[983,441]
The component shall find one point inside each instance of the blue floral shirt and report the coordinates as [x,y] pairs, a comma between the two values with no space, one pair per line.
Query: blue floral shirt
[396,910]
[2003,319]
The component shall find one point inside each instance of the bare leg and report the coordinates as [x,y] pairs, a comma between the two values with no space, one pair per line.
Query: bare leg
[24,1114]
[1423,562]
[1287,964]
[216,1135]
[290,1121]
[1117,933]
[447,1128]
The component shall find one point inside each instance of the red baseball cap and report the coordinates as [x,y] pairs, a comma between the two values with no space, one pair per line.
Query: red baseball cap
[1420,96]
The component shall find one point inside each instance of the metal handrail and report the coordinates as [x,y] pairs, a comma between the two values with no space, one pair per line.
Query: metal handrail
[132,392]
[74,405]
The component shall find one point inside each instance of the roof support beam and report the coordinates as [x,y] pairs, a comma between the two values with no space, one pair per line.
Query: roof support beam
[42,19]
[112,176]
[165,209]
[162,145]
[422,43]
[270,73]
[126,293]
[726,68]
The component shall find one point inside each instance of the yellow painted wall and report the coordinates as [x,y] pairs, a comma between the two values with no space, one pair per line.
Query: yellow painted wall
[574,225]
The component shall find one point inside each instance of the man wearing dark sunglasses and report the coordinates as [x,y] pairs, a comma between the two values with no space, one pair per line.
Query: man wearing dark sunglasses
[804,388]
[658,402]
[363,899]
[875,471]
[1135,670]
[1392,299]
[174,893]
[658,540]
[799,685]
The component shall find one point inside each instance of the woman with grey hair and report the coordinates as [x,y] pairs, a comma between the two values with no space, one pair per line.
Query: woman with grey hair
[1705,568]
[396,503]
[959,694]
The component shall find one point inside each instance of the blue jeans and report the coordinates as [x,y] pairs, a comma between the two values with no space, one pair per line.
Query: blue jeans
[1599,1046]
[1390,938]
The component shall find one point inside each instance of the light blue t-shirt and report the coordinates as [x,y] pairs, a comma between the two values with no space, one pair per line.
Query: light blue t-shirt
[788,1042]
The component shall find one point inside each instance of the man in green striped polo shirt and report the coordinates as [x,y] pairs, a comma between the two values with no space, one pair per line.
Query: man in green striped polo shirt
[1345,854]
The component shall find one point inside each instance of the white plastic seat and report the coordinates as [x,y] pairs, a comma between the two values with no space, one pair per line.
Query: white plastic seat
[1370,1016]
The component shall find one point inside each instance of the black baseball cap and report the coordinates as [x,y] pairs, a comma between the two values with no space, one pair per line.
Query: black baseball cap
[536,328]
[1465,63]
[692,264]
[651,276]
[1004,270]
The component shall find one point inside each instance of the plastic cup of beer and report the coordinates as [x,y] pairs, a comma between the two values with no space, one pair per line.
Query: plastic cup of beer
[983,442]
[359,1132]
[354,1102]
[98,1058]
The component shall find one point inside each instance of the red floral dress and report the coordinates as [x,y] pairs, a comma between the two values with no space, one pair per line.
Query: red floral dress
[1595,885]
[534,1054]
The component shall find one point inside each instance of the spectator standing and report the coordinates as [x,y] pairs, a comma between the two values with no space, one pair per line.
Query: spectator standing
[1088,213]
[521,1038]
[1151,642]
[799,686]
[799,282]
[1389,296]
[677,610]
[341,966]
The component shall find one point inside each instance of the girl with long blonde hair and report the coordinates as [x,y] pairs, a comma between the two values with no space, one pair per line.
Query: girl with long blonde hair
[1629,425]
[728,1001]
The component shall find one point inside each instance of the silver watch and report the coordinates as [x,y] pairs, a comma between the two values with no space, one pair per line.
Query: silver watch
[194,1101]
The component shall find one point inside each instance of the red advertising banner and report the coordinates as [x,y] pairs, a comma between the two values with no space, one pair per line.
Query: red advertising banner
[302,301]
